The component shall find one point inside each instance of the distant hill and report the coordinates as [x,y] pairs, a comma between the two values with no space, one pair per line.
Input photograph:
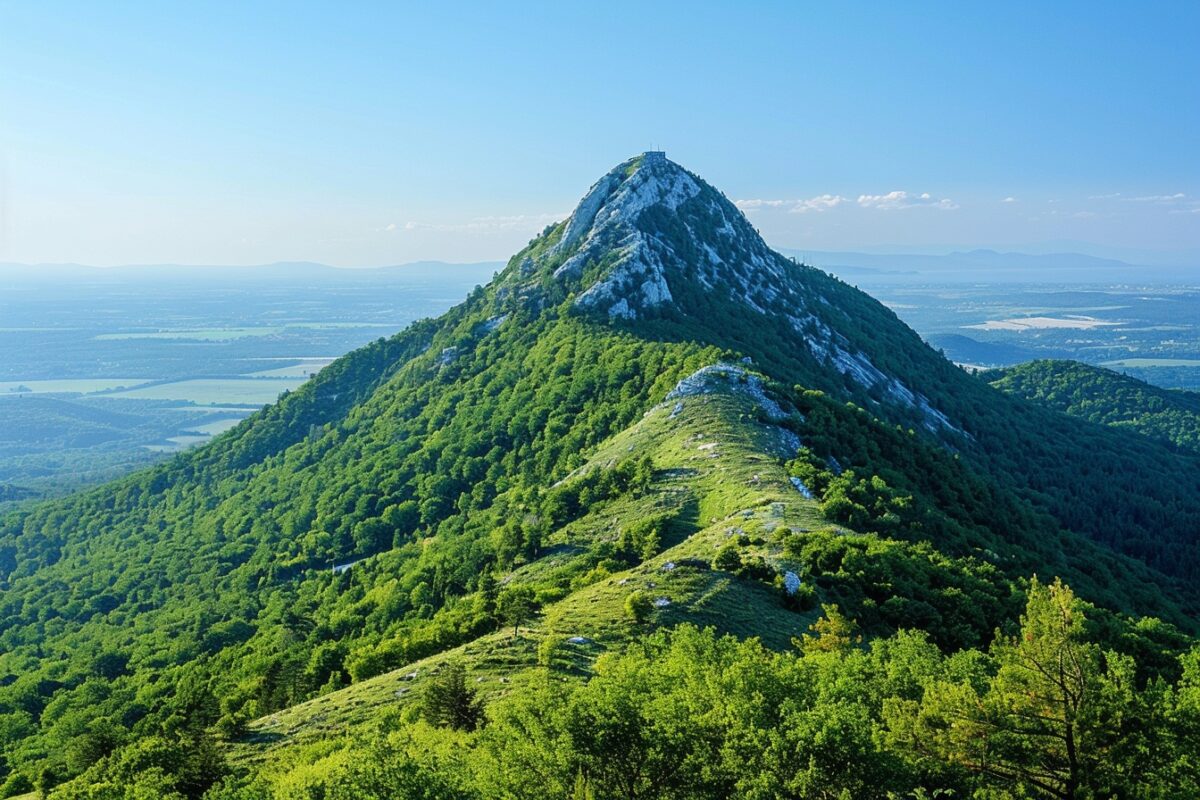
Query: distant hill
[1106,397]
[965,350]
[10,493]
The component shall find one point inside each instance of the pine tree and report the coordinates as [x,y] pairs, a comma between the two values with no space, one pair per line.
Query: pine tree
[449,702]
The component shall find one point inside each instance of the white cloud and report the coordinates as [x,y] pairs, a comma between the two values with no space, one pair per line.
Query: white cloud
[898,199]
[751,205]
[1166,199]
[818,203]
[1158,199]
[1009,200]
[821,202]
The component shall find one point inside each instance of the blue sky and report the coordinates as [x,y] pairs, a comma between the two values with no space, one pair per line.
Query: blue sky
[359,134]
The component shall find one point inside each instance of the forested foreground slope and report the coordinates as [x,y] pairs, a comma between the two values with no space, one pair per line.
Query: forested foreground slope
[462,550]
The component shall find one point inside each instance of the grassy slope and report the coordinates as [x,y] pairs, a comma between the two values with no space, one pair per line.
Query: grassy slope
[737,485]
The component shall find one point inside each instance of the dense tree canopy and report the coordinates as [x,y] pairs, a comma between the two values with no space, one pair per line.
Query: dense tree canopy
[1099,395]
[1043,712]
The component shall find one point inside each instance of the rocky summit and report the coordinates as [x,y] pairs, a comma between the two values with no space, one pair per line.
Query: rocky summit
[650,223]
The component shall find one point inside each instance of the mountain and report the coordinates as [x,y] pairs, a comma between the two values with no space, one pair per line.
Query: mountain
[1106,397]
[648,419]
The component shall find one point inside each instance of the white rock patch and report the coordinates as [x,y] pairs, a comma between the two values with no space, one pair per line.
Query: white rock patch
[715,377]
[802,489]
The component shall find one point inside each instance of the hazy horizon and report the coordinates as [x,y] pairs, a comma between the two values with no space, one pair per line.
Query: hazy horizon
[1175,264]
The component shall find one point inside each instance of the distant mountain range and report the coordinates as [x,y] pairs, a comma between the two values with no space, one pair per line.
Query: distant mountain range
[278,271]
[986,266]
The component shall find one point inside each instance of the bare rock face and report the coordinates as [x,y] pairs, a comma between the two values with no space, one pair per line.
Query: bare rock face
[606,227]
[728,377]
[650,219]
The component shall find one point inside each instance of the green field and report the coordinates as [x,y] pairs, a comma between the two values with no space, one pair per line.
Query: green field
[176,443]
[196,334]
[1154,362]
[304,369]
[71,385]
[216,427]
[194,435]
[717,473]
[229,334]
[216,391]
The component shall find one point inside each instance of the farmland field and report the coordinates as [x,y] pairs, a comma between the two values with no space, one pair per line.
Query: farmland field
[217,391]
[1154,362]
[1149,332]
[69,385]
[303,369]
[215,427]
[111,370]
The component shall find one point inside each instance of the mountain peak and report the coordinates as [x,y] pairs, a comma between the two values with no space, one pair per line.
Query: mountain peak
[627,190]
[649,223]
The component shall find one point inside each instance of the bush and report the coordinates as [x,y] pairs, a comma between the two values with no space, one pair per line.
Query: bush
[15,784]
[639,606]
[549,651]
[728,558]
[803,599]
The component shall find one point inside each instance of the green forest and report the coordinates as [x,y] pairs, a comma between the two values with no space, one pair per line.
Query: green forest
[1108,398]
[1045,711]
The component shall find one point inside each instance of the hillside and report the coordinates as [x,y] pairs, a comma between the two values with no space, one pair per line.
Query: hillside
[647,399]
[1106,397]
[53,445]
